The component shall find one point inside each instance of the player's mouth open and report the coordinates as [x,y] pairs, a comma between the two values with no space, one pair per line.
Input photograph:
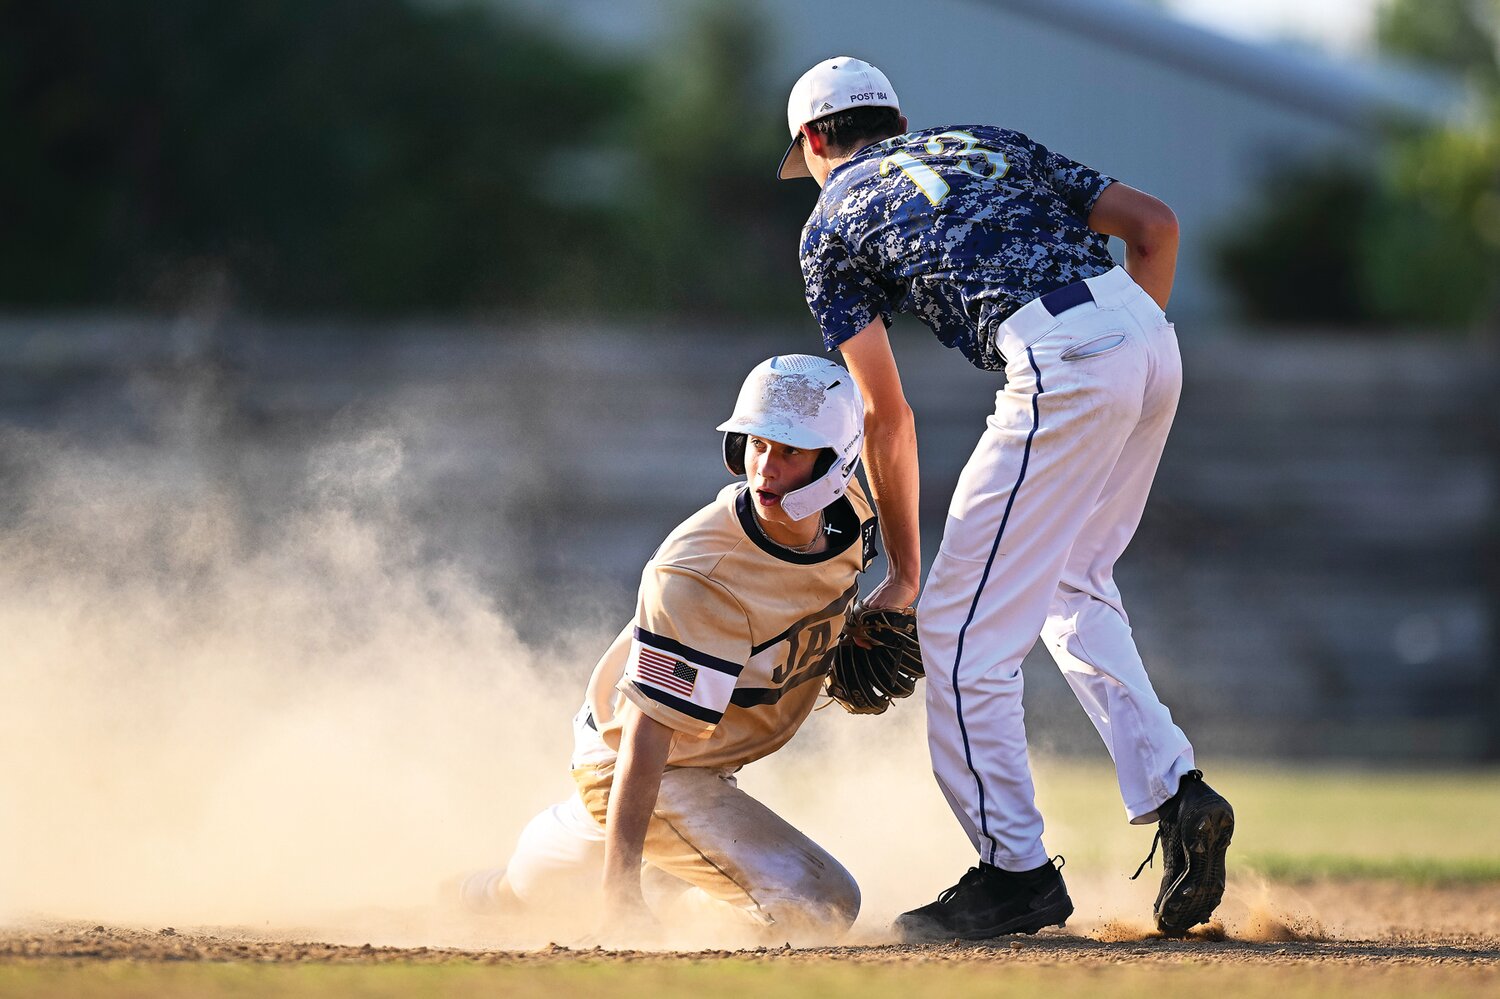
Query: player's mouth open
[767,498]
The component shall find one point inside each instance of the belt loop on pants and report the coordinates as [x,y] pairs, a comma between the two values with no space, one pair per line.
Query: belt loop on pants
[1069,296]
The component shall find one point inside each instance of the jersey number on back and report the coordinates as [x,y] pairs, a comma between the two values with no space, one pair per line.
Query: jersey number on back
[974,159]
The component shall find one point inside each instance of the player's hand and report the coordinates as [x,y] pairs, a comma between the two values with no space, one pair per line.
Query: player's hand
[627,921]
[893,594]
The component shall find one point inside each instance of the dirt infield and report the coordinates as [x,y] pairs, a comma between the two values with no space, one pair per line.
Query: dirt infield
[114,943]
[1356,924]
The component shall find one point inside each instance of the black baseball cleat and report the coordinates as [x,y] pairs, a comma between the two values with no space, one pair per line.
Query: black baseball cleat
[990,902]
[1194,827]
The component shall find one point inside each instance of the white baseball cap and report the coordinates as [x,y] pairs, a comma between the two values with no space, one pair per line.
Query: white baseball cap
[831,86]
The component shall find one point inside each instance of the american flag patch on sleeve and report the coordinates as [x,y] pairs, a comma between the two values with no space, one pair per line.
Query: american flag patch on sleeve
[672,675]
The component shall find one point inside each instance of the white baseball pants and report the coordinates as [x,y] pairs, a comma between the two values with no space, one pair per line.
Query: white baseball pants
[560,855]
[1045,506]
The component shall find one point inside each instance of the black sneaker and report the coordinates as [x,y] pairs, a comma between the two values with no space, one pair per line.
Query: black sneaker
[989,902]
[1194,828]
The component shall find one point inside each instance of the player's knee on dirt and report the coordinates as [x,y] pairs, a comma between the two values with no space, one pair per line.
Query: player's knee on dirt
[823,905]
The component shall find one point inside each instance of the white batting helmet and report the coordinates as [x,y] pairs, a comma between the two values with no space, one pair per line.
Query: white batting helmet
[806,402]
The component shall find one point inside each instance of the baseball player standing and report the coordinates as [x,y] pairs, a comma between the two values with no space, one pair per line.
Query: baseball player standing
[999,245]
[736,621]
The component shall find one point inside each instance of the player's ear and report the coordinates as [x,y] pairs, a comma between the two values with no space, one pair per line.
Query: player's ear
[816,143]
[904,127]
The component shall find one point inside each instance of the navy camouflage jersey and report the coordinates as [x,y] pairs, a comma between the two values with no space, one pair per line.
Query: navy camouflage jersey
[957,226]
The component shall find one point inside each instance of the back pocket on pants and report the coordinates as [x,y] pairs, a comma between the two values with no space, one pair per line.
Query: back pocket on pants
[1097,347]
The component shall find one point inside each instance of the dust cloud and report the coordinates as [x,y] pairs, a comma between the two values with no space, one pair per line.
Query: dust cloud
[240,691]
[1276,914]
[246,705]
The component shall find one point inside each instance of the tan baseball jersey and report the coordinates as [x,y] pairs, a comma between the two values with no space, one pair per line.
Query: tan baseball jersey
[731,634]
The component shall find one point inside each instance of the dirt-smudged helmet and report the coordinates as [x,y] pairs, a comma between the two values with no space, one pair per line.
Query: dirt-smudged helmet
[805,402]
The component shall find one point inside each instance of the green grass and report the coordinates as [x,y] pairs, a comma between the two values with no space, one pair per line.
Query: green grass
[1435,827]
[1409,870]
[734,979]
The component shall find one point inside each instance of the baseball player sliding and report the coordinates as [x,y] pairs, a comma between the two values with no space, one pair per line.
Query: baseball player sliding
[737,626]
[999,245]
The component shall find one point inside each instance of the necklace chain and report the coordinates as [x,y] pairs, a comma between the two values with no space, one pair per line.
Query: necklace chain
[799,549]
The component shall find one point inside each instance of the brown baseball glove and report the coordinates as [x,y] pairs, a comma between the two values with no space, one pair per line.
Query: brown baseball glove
[877,659]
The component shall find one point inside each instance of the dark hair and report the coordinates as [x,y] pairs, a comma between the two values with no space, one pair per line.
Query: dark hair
[848,130]
[826,457]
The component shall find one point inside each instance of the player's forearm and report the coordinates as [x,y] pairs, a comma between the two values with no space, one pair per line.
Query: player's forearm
[644,746]
[890,456]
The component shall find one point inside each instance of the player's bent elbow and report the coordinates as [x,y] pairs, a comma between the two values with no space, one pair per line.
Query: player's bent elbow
[1148,224]
[1154,237]
[1134,216]
[890,419]
[1161,224]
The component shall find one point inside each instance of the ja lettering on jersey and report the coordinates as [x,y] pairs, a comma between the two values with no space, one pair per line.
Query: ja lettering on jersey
[732,634]
[959,226]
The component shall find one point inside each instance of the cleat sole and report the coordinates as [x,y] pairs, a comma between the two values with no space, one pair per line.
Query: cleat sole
[1194,896]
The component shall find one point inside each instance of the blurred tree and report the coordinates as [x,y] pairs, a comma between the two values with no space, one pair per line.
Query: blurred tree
[323,154]
[714,231]
[386,156]
[1438,222]
[1435,226]
[1451,34]
[1298,259]
[1428,218]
